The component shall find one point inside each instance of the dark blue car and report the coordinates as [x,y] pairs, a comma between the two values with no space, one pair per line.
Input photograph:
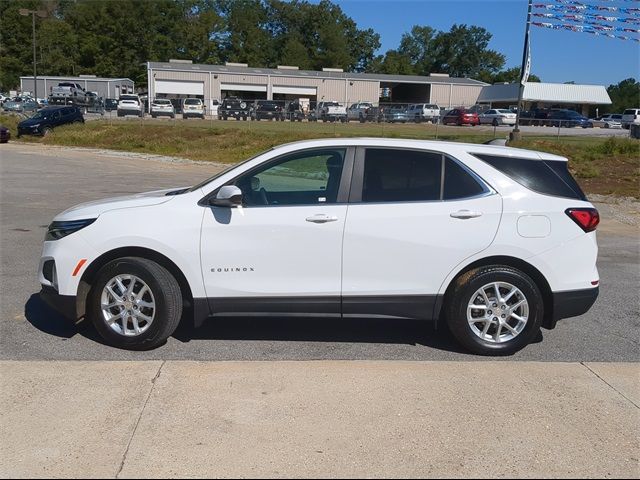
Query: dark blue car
[568,118]
[48,118]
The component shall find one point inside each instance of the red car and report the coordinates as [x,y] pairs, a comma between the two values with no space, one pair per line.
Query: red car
[461,116]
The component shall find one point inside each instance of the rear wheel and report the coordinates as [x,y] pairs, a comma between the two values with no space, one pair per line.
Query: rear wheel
[495,310]
[135,303]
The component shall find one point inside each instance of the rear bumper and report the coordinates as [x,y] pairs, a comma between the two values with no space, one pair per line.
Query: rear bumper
[572,303]
[64,304]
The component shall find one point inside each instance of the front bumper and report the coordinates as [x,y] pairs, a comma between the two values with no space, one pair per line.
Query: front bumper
[571,303]
[64,304]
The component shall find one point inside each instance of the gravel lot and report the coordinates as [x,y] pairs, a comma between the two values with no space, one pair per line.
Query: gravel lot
[38,182]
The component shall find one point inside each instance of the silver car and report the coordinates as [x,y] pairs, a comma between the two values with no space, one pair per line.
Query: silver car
[497,116]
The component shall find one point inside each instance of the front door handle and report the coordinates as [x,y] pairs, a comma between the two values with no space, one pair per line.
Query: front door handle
[466,214]
[321,218]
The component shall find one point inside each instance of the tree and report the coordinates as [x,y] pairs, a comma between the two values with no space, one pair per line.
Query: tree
[510,75]
[463,51]
[625,94]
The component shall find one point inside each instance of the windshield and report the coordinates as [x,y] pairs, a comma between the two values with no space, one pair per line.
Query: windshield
[219,174]
[192,101]
[161,102]
[41,114]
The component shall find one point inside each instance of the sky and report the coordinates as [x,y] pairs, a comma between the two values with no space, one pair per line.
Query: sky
[557,56]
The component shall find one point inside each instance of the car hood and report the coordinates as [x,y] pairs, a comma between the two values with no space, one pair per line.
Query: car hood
[96,208]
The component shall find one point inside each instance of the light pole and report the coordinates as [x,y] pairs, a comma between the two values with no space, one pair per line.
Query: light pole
[25,12]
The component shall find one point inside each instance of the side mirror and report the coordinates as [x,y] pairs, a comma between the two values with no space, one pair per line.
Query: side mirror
[228,196]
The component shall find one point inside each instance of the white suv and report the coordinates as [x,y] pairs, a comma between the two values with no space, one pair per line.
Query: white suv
[130,104]
[630,117]
[495,241]
[193,107]
[424,112]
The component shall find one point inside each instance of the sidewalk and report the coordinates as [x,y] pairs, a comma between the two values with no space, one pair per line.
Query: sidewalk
[319,419]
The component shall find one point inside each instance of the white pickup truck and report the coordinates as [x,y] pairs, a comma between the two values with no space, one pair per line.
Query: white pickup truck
[331,112]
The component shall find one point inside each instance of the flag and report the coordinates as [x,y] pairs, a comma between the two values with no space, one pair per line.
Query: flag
[526,61]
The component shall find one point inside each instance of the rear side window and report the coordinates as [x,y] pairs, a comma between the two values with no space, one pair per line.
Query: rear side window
[396,175]
[401,175]
[548,177]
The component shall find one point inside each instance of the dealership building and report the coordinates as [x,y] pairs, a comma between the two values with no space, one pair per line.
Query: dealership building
[580,98]
[181,78]
[104,87]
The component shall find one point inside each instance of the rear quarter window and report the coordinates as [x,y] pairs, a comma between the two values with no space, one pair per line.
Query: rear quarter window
[548,177]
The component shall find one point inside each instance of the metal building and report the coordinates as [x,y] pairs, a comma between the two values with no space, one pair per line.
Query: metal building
[104,87]
[546,95]
[181,79]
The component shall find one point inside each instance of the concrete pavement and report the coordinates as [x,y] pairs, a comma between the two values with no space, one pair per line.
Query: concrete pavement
[319,419]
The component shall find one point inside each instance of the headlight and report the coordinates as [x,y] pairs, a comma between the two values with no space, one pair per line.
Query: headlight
[37,125]
[58,230]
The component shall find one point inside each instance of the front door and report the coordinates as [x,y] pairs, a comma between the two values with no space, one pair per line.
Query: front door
[281,252]
[414,216]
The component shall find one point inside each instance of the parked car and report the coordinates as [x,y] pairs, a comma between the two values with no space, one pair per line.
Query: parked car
[536,117]
[495,241]
[162,107]
[498,116]
[110,104]
[331,112]
[396,115]
[30,106]
[364,112]
[193,107]
[235,108]
[294,111]
[630,116]
[461,116]
[12,106]
[568,119]
[612,120]
[424,112]
[5,134]
[267,110]
[49,118]
[130,104]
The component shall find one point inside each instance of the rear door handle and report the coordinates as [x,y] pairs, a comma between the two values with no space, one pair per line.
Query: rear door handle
[466,214]
[321,218]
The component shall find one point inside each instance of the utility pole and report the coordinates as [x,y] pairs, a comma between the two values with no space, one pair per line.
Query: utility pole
[25,12]
[524,74]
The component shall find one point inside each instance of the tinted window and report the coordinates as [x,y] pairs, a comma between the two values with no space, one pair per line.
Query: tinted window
[306,178]
[546,177]
[458,183]
[401,175]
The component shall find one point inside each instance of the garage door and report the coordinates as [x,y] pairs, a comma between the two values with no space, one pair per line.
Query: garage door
[179,87]
[303,91]
[242,87]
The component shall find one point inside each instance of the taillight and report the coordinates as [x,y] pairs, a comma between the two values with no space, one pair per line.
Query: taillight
[586,218]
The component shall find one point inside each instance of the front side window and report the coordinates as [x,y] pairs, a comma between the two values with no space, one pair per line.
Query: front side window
[305,178]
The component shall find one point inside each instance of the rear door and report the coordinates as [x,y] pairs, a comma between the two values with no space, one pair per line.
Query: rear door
[414,215]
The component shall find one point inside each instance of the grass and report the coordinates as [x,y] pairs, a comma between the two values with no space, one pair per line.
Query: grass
[602,165]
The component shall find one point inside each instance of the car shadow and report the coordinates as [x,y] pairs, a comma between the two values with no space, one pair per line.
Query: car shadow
[321,330]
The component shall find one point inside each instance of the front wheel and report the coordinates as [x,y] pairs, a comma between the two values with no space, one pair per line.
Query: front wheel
[135,303]
[494,310]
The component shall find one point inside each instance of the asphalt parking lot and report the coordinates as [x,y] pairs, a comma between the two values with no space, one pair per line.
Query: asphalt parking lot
[38,182]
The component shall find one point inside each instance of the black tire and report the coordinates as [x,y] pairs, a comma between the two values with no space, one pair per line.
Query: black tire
[166,293]
[469,283]
[495,122]
[46,131]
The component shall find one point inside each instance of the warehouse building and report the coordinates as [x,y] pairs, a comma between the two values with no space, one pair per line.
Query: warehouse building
[180,79]
[545,95]
[104,87]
